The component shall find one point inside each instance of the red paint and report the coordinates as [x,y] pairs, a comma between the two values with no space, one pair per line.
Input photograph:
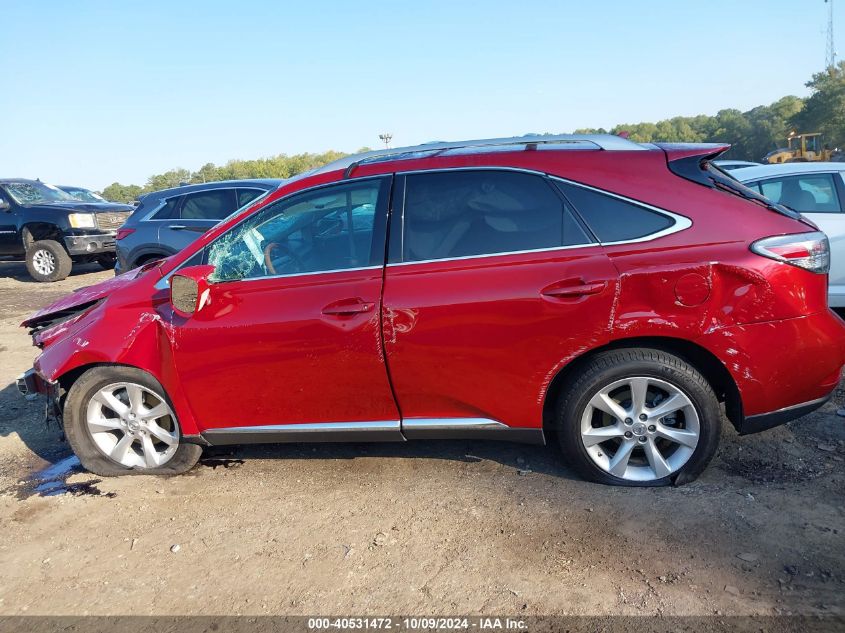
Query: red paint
[485,341]
[692,289]
[280,352]
[477,337]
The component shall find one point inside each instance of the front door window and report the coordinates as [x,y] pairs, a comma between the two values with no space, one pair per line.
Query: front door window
[324,230]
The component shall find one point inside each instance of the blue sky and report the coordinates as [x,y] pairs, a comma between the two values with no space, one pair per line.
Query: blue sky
[96,92]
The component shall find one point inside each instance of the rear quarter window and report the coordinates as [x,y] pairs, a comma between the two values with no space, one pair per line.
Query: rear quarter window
[245,196]
[168,210]
[613,219]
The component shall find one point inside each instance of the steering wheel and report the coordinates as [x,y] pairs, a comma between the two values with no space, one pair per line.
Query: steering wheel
[287,254]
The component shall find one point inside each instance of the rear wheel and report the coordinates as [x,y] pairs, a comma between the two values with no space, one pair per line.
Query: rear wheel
[47,260]
[119,421]
[639,417]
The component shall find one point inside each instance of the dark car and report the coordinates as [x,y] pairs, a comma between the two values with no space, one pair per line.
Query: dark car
[81,193]
[167,221]
[584,287]
[54,230]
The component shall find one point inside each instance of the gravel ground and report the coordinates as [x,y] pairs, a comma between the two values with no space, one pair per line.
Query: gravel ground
[417,528]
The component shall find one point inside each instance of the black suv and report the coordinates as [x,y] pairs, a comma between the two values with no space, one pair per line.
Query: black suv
[53,230]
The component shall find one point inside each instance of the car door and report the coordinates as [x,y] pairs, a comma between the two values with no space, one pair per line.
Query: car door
[290,339]
[9,222]
[492,285]
[195,214]
[820,197]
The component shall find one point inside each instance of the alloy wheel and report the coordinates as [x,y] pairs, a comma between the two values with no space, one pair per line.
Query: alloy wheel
[43,261]
[132,425]
[640,428]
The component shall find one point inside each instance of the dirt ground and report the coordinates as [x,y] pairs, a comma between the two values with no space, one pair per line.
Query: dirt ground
[417,528]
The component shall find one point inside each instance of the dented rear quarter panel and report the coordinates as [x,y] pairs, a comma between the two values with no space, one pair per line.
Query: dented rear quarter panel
[706,286]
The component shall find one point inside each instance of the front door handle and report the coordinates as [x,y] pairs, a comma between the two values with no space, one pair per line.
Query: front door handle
[348,307]
[177,227]
[569,289]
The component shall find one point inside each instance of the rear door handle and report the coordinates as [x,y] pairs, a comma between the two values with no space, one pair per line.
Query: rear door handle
[182,227]
[563,290]
[347,307]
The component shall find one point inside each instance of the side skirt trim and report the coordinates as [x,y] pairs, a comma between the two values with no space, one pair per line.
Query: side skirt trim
[381,431]
[469,428]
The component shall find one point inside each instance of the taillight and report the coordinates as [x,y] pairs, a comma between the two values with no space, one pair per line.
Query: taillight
[810,251]
[121,233]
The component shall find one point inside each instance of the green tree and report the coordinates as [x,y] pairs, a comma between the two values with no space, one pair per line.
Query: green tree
[168,179]
[116,192]
[824,109]
[206,173]
[751,134]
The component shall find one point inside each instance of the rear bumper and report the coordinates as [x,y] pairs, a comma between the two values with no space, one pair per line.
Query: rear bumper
[782,369]
[763,421]
[90,244]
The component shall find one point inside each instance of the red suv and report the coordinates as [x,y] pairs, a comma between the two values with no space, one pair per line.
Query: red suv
[619,297]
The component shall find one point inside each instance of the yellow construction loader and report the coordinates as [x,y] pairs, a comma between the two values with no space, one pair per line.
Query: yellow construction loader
[801,148]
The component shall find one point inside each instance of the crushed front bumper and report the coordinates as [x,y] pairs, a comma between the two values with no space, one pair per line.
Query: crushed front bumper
[31,382]
[31,385]
[27,384]
[90,244]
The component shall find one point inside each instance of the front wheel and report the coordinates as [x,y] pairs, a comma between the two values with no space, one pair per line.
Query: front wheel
[639,417]
[47,260]
[119,421]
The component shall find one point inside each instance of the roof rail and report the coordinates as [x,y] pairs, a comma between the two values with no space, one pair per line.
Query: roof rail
[582,141]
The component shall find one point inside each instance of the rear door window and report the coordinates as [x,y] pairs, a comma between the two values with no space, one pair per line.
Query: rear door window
[470,213]
[214,204]
[806,193]
[613,219]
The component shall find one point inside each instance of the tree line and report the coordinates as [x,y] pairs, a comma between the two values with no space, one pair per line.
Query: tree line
[752,135]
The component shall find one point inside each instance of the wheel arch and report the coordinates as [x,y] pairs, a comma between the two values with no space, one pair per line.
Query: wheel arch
[699,357]
[148,254]
[35,231]
[179,404]
[67,379]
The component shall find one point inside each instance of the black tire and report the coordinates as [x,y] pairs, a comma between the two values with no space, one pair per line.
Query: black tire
[84,446]
[608,367]
[107,262]
[47,261]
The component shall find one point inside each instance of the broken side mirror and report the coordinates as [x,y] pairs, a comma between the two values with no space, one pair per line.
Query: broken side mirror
[190,289]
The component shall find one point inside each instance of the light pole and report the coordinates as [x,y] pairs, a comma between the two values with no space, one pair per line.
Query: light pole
[385,138]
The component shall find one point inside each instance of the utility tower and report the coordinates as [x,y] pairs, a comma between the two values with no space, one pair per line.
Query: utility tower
[831,51]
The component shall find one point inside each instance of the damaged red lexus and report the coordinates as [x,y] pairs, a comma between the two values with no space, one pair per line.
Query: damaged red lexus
[621,298]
